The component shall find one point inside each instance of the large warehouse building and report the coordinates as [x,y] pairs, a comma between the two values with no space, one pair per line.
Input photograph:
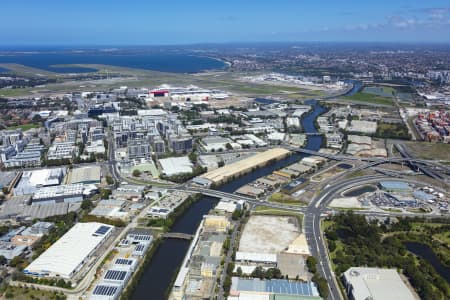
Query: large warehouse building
[59,193]
[85,175]
[33,180]
[243,166]
[176,165]
[376,284]
[68,255]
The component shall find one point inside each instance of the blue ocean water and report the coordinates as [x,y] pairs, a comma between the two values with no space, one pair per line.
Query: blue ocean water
[176,63]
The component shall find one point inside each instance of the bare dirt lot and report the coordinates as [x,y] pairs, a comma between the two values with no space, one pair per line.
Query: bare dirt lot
[268,234]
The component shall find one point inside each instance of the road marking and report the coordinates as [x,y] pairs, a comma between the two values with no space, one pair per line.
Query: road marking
[320,200]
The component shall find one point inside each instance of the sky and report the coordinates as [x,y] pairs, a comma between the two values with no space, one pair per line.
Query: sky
[148,22]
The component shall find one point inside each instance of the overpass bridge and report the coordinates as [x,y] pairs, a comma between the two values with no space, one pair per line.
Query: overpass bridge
[313,133]
[374,160]
[177,235]
[211,193]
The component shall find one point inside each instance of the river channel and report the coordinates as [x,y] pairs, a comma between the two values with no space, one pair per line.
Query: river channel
[168,258]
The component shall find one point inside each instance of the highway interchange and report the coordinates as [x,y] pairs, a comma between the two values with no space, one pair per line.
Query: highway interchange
[317,208]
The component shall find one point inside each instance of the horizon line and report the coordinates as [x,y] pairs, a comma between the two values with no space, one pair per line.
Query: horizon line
[223,43]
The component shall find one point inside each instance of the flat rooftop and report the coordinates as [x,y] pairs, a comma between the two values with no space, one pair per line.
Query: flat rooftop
[376,283]
[277,286]
[222,174]
[66,256]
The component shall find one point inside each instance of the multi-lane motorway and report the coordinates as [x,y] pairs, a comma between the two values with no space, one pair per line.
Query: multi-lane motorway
[313,212]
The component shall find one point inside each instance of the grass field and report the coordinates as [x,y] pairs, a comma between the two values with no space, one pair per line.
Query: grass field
[283,198]
[382,91]
[24,293]
[443,237]
[146,78]
[393,131]
[24,127]
[370,99]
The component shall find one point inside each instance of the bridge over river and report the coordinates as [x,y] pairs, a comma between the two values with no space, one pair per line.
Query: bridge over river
[177,235]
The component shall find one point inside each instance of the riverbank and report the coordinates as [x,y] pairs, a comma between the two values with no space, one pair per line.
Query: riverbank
[169,256]
[167,259]
[166,224]
[237,169]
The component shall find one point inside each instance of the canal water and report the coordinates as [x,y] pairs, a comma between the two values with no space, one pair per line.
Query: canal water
[313,143]
[425,252]
[168,258]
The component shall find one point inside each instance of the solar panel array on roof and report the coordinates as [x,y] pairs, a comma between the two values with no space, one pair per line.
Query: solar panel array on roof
[141,237]
[115,275]
[288,287]
[102,230]
[139,247]
[105,290]
[123,261]
[277,286]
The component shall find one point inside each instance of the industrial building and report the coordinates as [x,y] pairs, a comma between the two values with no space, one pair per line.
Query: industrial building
[243,166]
[140,239]
[68,255]
[32,234]
[176,165]
[20,208]
[61,193]
[30,181]
[116,276]
[85,175]
[128,264]
[215,143]
[256,288]
[158,212]
[115,279]
[138,236]
[9,250]
[216,223]
[128,191]
[106,291]
[110,208]
[368,127]
[395,186]
[375,284]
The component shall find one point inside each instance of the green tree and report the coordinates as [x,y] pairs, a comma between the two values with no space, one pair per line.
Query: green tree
[311,262]
[236,214]
[193,157]
[136,173]
[322,285]
[109,179]
[86,204]
[105,193]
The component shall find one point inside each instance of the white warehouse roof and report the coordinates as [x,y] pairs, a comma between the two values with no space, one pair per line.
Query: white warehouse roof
[377,284]
[176,165]
[256,257]
[67,255]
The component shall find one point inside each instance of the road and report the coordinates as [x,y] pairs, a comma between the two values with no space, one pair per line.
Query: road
[313,212]
[228,258]
[87,280]
[312,220]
